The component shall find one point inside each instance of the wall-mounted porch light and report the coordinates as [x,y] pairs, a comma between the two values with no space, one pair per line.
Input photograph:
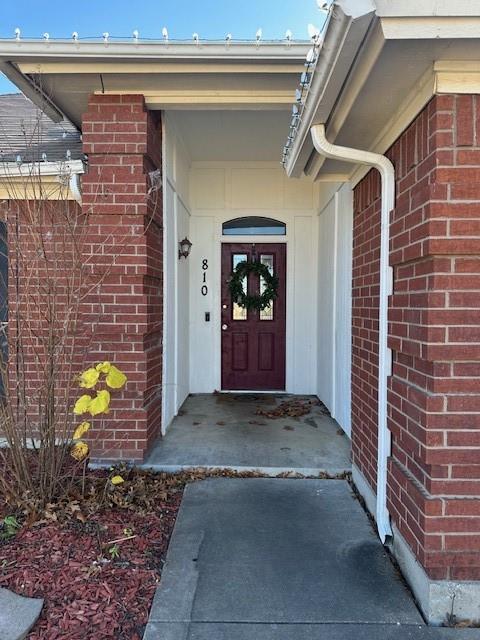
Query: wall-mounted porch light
[184,247]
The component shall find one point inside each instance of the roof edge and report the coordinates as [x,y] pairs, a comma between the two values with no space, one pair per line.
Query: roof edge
[343,39]
[33,92]
[35,169]
[11,49]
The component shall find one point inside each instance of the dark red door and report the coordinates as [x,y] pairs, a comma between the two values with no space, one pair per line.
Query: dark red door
[253,342]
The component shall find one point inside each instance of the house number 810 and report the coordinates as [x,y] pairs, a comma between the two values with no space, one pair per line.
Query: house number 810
[204,288]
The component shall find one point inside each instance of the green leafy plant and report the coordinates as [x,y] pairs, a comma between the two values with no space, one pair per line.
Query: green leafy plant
[114,552]
[9,527]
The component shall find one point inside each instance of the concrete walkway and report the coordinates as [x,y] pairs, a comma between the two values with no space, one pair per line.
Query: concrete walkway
[276,559]
[224,430]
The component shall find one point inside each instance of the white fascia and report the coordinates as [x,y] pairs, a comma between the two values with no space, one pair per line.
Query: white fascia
[71,171]
[387,172]
[32,169]
[427,8]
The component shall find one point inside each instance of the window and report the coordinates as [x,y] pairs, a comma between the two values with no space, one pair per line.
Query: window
[253,226]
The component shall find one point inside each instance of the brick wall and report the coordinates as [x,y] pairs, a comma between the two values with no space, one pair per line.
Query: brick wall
[365,300]
[123,143]
[44,286]
[434,401]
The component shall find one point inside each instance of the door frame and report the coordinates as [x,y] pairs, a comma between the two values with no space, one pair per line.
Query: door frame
[302,244]
[289,328]
[283,289]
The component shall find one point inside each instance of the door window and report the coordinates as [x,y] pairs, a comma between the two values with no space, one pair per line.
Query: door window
[267,313]
[238,312]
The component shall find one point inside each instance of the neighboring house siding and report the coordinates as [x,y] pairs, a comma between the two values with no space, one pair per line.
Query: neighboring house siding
[434,400]
[123,143]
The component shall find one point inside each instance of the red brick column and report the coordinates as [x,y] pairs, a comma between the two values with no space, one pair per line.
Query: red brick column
[123,143]
[434,399]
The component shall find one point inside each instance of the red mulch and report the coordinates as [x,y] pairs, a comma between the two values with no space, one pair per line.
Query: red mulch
[87,594]
[62,553]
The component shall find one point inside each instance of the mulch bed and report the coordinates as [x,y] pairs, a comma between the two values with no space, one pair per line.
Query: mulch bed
[63,556]
[88,594]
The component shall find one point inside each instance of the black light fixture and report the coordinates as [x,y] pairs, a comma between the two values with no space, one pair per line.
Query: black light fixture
[184,247]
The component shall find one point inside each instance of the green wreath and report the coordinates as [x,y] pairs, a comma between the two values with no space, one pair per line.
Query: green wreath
[241,297]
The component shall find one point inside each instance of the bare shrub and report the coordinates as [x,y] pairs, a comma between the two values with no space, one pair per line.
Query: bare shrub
[46,341]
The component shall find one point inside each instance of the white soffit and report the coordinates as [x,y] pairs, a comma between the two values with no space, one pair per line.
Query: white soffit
[391,79]
[399,85]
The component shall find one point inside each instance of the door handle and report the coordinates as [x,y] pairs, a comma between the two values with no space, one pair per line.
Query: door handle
[224,327]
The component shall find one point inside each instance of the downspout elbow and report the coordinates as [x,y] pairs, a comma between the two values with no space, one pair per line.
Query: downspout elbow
[357,156]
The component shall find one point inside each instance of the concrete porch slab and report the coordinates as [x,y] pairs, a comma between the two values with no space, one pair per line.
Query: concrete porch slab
[280,558]
[224,430]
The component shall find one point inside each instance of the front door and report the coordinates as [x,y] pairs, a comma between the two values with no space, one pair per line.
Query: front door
[253,342]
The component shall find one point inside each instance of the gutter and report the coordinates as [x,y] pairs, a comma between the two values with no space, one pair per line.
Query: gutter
[387,173]
[116,49]
[71,170]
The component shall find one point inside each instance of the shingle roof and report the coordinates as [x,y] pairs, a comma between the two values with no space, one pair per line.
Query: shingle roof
[27,132]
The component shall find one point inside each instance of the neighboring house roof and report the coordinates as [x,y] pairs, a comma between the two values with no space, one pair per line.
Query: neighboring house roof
[28,133]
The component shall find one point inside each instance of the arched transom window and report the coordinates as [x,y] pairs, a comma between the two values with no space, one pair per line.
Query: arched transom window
[253,226]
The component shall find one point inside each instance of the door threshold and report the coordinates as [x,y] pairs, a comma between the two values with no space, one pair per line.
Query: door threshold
[250,391]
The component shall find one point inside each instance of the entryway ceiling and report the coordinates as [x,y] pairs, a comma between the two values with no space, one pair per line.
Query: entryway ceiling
[232,135]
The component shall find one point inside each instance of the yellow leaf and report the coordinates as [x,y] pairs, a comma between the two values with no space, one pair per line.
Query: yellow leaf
[103,367]
[115,378]
[117,480]
[79,451]
[100,404]
[89,378]
[82,405]
[81,430]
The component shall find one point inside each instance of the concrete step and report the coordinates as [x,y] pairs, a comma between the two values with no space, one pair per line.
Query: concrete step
[235,631]
[17,614]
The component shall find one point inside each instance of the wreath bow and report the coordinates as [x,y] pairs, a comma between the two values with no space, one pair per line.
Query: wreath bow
[241,297]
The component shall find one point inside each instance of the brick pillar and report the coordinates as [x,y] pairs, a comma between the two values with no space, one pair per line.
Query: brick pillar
[434,395]
[123,143]
[434,399]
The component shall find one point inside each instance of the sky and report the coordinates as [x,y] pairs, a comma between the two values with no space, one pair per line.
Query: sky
[211,19]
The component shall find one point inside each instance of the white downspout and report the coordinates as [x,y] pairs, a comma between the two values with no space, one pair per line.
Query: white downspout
[387,172]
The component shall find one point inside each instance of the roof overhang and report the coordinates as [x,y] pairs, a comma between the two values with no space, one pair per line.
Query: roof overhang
[60,75]
[376,71]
